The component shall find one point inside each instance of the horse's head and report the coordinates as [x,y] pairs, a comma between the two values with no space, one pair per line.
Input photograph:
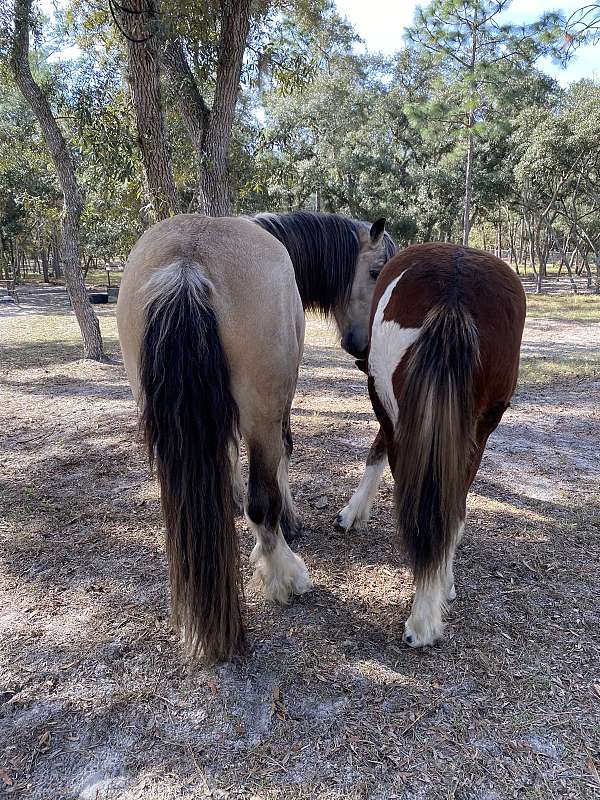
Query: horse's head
[376,247]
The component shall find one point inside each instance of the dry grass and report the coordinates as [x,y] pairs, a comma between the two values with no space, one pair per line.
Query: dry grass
[95,701]
[569,307]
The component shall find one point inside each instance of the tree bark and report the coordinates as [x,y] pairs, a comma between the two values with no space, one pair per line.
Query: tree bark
[470,143]
[65,170]
[216,189]
[468,181]
[191,107]
[209,130]
[44,258]
[141,25]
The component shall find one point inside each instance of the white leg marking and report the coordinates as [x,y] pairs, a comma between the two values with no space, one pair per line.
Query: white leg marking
[389,343]
[449,582]
[425,625]
[356,513]
[279,573]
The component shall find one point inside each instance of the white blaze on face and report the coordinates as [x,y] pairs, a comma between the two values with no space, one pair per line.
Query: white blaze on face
[389,343]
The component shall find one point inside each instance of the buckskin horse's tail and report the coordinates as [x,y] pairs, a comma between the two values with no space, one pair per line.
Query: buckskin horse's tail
[189,419]
[434,434]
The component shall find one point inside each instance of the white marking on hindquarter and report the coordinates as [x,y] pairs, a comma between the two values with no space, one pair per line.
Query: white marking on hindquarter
[389,343]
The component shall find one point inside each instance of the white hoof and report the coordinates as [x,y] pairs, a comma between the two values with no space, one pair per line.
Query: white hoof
[348,518]
[280,574]
[451,594]
[420,633]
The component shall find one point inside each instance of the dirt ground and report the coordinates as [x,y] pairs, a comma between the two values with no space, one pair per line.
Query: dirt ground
[95,699]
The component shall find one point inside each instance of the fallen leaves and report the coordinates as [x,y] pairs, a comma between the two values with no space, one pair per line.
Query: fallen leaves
[44,740]
[5,778]
[277,706]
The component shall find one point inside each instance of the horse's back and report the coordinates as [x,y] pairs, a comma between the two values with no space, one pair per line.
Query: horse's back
[236,256]
[253,292]
[488,288]
[486,282]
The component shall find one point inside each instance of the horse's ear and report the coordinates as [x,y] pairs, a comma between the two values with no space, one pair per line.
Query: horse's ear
[377,230]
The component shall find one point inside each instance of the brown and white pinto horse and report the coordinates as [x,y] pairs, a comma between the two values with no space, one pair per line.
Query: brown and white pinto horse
[445,335]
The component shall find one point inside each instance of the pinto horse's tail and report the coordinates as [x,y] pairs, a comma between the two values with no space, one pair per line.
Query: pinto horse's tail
[434,434]
[189,420]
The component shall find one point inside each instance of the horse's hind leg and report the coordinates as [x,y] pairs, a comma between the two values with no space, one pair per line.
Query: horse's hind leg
[356,513]
[425,624]
[278,571]
[433,592]
[290,524]
[487,423]
[449,587]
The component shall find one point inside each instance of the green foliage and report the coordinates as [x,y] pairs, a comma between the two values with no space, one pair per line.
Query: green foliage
[319,125]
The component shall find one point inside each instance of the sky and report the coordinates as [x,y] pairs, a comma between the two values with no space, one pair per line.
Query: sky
[381,23]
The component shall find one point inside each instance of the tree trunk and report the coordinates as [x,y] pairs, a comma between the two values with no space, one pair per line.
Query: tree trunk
[55,251]
[209,131]
[141,25]
[216,189]
[44,258]
[468,181]
[63,163]
[470,143]
[541,254]
[588,271]
[521,244]
[499,236]
[190,105]
[17,268]
[564,258]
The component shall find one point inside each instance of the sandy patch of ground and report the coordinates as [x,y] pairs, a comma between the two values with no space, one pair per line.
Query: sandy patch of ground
[95,701]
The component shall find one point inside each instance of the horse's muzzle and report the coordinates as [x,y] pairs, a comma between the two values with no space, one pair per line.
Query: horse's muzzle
[353,345]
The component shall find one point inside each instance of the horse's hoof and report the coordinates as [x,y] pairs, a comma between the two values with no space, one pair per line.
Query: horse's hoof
[339,523]
[346,521]
[281,576]
[422,635]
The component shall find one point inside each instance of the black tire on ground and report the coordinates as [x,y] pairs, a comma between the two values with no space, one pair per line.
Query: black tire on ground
[98,298]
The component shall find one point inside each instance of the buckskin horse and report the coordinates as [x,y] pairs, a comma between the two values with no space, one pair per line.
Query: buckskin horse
[445,334]
[211,326]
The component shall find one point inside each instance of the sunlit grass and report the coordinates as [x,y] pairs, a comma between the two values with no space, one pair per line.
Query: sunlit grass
[38,339]
[30,340]
[541,371]
[569,307]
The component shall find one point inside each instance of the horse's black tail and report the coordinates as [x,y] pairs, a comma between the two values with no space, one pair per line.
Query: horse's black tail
[189,419]
[434,435]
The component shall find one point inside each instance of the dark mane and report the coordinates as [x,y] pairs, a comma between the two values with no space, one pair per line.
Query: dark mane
[324,249]
[390,246]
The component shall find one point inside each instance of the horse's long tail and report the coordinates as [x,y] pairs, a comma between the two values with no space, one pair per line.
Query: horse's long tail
[189,420]
[434,435]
